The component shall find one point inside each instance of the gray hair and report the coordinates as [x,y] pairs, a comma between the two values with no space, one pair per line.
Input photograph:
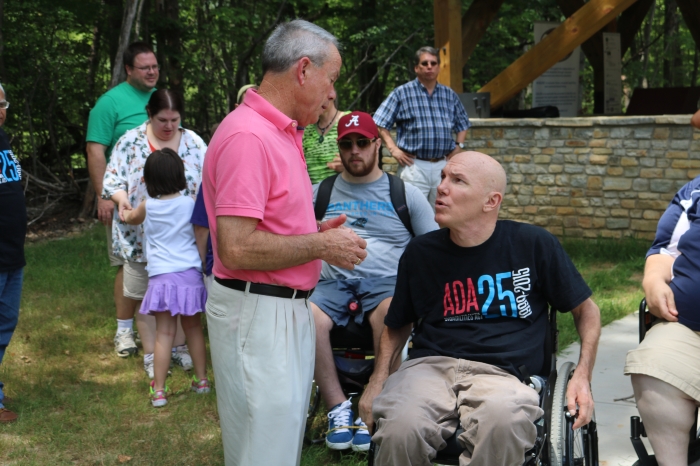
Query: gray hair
[429,50]
[291,41]
[3,90]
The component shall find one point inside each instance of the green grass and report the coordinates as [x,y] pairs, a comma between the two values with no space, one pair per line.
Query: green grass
[79,404]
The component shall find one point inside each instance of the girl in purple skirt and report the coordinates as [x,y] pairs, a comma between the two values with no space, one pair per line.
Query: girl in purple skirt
[175,286]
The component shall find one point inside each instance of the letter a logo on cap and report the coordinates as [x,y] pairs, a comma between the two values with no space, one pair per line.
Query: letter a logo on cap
[354,120]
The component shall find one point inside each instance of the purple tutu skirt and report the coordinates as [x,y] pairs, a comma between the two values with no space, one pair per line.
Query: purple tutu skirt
[180,293]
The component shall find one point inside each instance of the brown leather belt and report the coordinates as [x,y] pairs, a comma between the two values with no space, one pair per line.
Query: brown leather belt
[264,289]
[433,160]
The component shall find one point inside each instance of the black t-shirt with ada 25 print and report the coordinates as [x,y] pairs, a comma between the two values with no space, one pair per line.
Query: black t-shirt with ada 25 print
[486,303]
[13,212]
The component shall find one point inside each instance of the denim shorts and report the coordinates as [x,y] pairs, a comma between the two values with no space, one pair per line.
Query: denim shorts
[333,296]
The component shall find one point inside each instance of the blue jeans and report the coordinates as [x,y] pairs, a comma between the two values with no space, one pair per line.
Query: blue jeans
[10,294]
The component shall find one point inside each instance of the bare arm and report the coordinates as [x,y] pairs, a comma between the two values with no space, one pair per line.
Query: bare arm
[657,275]
[97,164]
[390,345]
[460,138]
[402,157]
[695,121]
[578,393]
[134,216]
[122,200]
[241,246]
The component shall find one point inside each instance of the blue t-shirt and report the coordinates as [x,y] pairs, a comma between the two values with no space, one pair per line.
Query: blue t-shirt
[678,235]
[199,217]
[371,216]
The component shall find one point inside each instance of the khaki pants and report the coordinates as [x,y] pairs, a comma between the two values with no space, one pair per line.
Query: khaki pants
[263,351]
[423,401]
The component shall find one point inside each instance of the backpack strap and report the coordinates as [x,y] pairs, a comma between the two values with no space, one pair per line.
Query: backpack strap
[397,192]
[323,197]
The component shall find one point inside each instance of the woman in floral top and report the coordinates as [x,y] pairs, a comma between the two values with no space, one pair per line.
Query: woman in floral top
[123,183]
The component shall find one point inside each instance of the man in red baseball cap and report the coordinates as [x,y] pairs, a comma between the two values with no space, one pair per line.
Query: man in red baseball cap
[363,193]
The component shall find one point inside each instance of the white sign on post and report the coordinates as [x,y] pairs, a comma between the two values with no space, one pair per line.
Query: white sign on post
[559,85]
[612,68]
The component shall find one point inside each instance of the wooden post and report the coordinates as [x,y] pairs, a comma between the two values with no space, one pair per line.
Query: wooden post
[448,41]
[592,17]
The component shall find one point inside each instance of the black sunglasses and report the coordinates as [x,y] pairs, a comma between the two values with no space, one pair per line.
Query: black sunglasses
[431,63]
[346,144]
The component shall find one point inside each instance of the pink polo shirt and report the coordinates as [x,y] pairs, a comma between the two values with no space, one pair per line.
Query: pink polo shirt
[255,168]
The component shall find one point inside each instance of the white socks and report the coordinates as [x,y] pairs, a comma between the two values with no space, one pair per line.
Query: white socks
[126,324]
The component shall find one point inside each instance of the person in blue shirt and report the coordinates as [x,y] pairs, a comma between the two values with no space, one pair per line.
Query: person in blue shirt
[665,368]
[426,114]
[13,228]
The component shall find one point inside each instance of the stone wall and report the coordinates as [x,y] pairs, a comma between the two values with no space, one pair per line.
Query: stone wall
[589,177]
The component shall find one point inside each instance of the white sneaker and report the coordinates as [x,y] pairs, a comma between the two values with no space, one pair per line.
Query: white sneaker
[124,343]
[181,357]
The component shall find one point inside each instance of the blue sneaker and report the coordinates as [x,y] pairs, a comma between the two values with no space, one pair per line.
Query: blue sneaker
[339,436]
[362,439]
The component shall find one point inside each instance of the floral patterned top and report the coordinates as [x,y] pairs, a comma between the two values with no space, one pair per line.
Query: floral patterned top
[125,172]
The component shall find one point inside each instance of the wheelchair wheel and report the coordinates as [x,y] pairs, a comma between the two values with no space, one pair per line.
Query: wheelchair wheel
[577,448]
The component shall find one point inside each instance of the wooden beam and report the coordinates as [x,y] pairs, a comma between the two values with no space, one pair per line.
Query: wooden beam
[570,34]
[593,47]
[630,22]
[475,22]
[448,41]
[690,9]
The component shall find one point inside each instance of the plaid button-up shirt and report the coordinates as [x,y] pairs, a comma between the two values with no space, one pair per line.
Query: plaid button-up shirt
[424,123]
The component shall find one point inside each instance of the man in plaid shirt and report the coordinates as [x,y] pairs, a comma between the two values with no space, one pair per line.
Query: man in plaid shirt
[426,113]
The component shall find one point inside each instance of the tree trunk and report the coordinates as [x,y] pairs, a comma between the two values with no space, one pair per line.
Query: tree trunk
[644,82]
[89,197]
[2,44]
[137,27]
[118,73]
[170,44]
[371,99]
[671,47]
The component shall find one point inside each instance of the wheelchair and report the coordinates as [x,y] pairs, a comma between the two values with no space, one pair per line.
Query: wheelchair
[353,354]
[646,320]
[557,443]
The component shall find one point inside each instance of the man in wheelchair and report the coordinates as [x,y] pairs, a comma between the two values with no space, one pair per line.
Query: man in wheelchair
[665,368]
[478,292]
[364,193]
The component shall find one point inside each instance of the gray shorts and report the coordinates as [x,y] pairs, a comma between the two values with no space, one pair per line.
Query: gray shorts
[114,261]
[333,296]
[135,280]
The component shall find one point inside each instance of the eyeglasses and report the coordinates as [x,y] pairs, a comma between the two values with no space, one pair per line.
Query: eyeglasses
[431,63]
[4,104]
[346,144]
[146,69]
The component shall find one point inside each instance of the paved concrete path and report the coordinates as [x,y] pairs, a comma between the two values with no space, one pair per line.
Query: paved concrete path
[610,384]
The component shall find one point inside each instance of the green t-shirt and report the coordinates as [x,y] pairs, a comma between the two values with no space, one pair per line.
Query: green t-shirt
[118,110]
[318,154]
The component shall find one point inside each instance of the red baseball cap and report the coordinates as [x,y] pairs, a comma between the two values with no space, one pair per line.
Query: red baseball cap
[359,123]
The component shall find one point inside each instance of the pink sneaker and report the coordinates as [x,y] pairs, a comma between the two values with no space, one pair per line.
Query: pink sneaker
[200,386]
[158,398]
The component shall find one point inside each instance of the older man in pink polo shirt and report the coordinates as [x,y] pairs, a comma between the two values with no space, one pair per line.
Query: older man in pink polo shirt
[268,249]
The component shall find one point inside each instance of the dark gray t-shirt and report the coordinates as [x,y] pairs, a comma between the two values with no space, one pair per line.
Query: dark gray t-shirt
[372,216]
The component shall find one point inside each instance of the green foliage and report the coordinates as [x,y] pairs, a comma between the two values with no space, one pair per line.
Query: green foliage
[57,57]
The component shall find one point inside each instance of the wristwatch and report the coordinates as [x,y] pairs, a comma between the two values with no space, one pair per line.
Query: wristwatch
[461,145]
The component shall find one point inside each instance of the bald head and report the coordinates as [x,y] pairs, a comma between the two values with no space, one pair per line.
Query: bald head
[484,168]
[469,197]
